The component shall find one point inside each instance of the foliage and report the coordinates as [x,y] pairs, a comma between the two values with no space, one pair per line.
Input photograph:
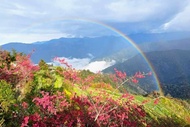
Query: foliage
[6,99]
[55,110]
[44,95]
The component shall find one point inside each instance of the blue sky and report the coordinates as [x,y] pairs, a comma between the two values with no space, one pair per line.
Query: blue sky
[40,20]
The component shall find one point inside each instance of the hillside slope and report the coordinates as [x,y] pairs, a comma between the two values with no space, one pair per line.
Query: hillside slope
[171,67]
[44,95]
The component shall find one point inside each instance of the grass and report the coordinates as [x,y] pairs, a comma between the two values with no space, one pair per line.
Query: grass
[168,110]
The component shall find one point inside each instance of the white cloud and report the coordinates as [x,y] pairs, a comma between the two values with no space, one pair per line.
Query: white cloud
[77,63]
[97,66]
[29,38]
[181,22]
[144,10]
[18,15]
[55,29]
[86,64]
[107,10]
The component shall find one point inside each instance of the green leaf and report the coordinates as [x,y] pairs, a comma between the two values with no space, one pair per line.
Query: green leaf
[59,82]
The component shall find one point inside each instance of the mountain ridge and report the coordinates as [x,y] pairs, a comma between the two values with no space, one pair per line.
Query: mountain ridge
[171,67]
[70,47]
[103,47]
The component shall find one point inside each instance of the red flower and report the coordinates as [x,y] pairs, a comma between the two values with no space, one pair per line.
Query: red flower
[134,80]
[119,74]
[25,105]
[25,122]
[156,101]
[139,75]
[145,101]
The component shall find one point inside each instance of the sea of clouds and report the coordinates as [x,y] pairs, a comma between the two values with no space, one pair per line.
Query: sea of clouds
[86,64]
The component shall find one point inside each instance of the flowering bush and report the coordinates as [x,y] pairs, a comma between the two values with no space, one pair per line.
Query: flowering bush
[56,110]
[16,69]
[47,96]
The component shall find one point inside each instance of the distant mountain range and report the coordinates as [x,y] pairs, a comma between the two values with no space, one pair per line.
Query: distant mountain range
[97,47]
[140,38]
[172,68]
[183,44]
[105,47]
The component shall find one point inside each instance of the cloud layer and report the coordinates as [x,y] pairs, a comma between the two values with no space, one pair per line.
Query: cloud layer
[181,21]
[49,17]
[86,64]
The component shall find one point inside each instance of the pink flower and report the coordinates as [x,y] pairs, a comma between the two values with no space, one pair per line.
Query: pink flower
[25,121]
[156,101]
[134,80]
[119,74]
[150,73]
[139,75]
[25,105]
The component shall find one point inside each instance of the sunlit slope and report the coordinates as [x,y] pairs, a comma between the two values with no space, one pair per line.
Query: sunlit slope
[47,95]
[171,67]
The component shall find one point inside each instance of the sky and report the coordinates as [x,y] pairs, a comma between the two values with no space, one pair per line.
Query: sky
[40,20]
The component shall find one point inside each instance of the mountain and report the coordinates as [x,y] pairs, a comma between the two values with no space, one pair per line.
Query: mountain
[183,44]
[140,38]
[71,47]
[164,45]
[102,48]
[171,66]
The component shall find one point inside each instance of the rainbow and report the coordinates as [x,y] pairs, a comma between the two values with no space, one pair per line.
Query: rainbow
[115,31]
